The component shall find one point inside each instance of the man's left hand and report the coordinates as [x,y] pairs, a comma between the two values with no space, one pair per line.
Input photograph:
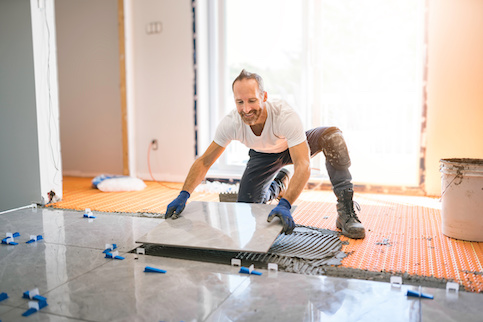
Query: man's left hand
[282,211]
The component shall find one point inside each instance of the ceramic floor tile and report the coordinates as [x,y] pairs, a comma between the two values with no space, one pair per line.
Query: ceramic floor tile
[450,306]
[4,309]
[294,297]
[218,225]
[48,223]
[15,314]
[80,283]
[44,266]
[107,229]
[70,228]
[122,291]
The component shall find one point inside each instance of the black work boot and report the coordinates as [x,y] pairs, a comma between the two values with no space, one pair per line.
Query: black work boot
[281,180]
[347,220]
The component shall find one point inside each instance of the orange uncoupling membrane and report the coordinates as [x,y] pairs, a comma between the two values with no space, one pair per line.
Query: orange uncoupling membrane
[403,233]
[78,194]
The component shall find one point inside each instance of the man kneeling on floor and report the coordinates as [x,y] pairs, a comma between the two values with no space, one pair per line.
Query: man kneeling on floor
[273,132]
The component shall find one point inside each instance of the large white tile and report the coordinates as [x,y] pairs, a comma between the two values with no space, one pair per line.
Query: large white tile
[51,224]
[122,291]
[44,266]
[218,225]
[15,314]
[71,228]
[450,306]
[294,297]
[4,309]
[107,229]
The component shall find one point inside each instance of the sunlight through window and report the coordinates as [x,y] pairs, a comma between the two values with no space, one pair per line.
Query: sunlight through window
[356,65]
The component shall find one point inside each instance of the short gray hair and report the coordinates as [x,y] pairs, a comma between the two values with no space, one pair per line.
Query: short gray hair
[247,75]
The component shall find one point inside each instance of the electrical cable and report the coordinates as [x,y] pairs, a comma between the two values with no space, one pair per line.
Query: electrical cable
[149,168]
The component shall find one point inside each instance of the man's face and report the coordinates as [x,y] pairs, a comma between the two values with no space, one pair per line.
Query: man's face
[249,101]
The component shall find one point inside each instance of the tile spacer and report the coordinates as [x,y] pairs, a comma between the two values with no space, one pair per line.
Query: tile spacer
[396,281]
[272,267]
[114,255]
[109,248]
[452,286]
[34,238]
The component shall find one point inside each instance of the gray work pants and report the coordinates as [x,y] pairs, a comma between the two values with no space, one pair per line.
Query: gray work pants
[257,185]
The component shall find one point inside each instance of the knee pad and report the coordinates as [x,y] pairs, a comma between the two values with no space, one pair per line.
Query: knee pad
[335,149]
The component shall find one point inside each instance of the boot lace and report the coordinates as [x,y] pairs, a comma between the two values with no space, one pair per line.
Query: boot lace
[352,211]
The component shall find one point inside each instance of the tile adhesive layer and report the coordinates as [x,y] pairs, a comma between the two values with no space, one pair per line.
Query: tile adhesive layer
[307,250]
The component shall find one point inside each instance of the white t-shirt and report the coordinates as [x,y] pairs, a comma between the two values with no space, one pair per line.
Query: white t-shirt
[283,129]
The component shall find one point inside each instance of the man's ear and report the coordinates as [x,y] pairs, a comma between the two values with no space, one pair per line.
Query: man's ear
[265,96]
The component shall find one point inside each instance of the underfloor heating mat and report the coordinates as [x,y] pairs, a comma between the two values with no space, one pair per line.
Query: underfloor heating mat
[78,194]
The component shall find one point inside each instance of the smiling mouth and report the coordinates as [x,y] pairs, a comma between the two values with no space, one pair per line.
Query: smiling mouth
[249,114]
[251,117]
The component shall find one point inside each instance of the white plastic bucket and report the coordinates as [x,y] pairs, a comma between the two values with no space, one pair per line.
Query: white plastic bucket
[462,198]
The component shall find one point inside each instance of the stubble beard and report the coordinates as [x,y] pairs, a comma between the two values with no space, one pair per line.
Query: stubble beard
[252,117]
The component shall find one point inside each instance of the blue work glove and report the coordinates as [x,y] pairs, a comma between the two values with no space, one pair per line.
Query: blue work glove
[177,205]
[282,211]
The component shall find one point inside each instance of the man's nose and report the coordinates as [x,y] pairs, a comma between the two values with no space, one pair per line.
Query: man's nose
[246,107]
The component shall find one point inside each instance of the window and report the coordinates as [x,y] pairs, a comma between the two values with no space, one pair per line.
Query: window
[356,65]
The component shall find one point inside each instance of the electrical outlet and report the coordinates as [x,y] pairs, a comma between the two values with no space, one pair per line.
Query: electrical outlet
[155,27]
[154,144]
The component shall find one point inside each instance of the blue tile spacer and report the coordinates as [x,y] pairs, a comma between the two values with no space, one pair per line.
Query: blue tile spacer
[149,269]
[245,270]
[108,250]
[32,310]
[29,312]
[109,255]
[421,295]
[8,241]
[39,298]
[37,238]
[26,295]
[3,296]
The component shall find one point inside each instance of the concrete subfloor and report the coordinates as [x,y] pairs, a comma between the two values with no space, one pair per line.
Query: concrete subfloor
[80,284]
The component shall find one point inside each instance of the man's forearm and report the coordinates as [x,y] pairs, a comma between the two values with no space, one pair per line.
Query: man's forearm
[201,166]
[297,183]
[196,174]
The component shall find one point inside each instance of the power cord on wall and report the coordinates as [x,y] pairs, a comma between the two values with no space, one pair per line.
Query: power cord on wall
[149,168]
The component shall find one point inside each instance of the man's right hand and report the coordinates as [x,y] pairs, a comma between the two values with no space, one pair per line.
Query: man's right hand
[177,205]
[282,211]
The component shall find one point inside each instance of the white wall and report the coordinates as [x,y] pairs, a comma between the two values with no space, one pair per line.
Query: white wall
[89,87]
[30,164]
[160,87]
[455,85]
[19,151]
[47,97]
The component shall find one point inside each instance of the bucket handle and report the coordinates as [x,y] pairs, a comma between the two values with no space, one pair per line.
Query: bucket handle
[459,175]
